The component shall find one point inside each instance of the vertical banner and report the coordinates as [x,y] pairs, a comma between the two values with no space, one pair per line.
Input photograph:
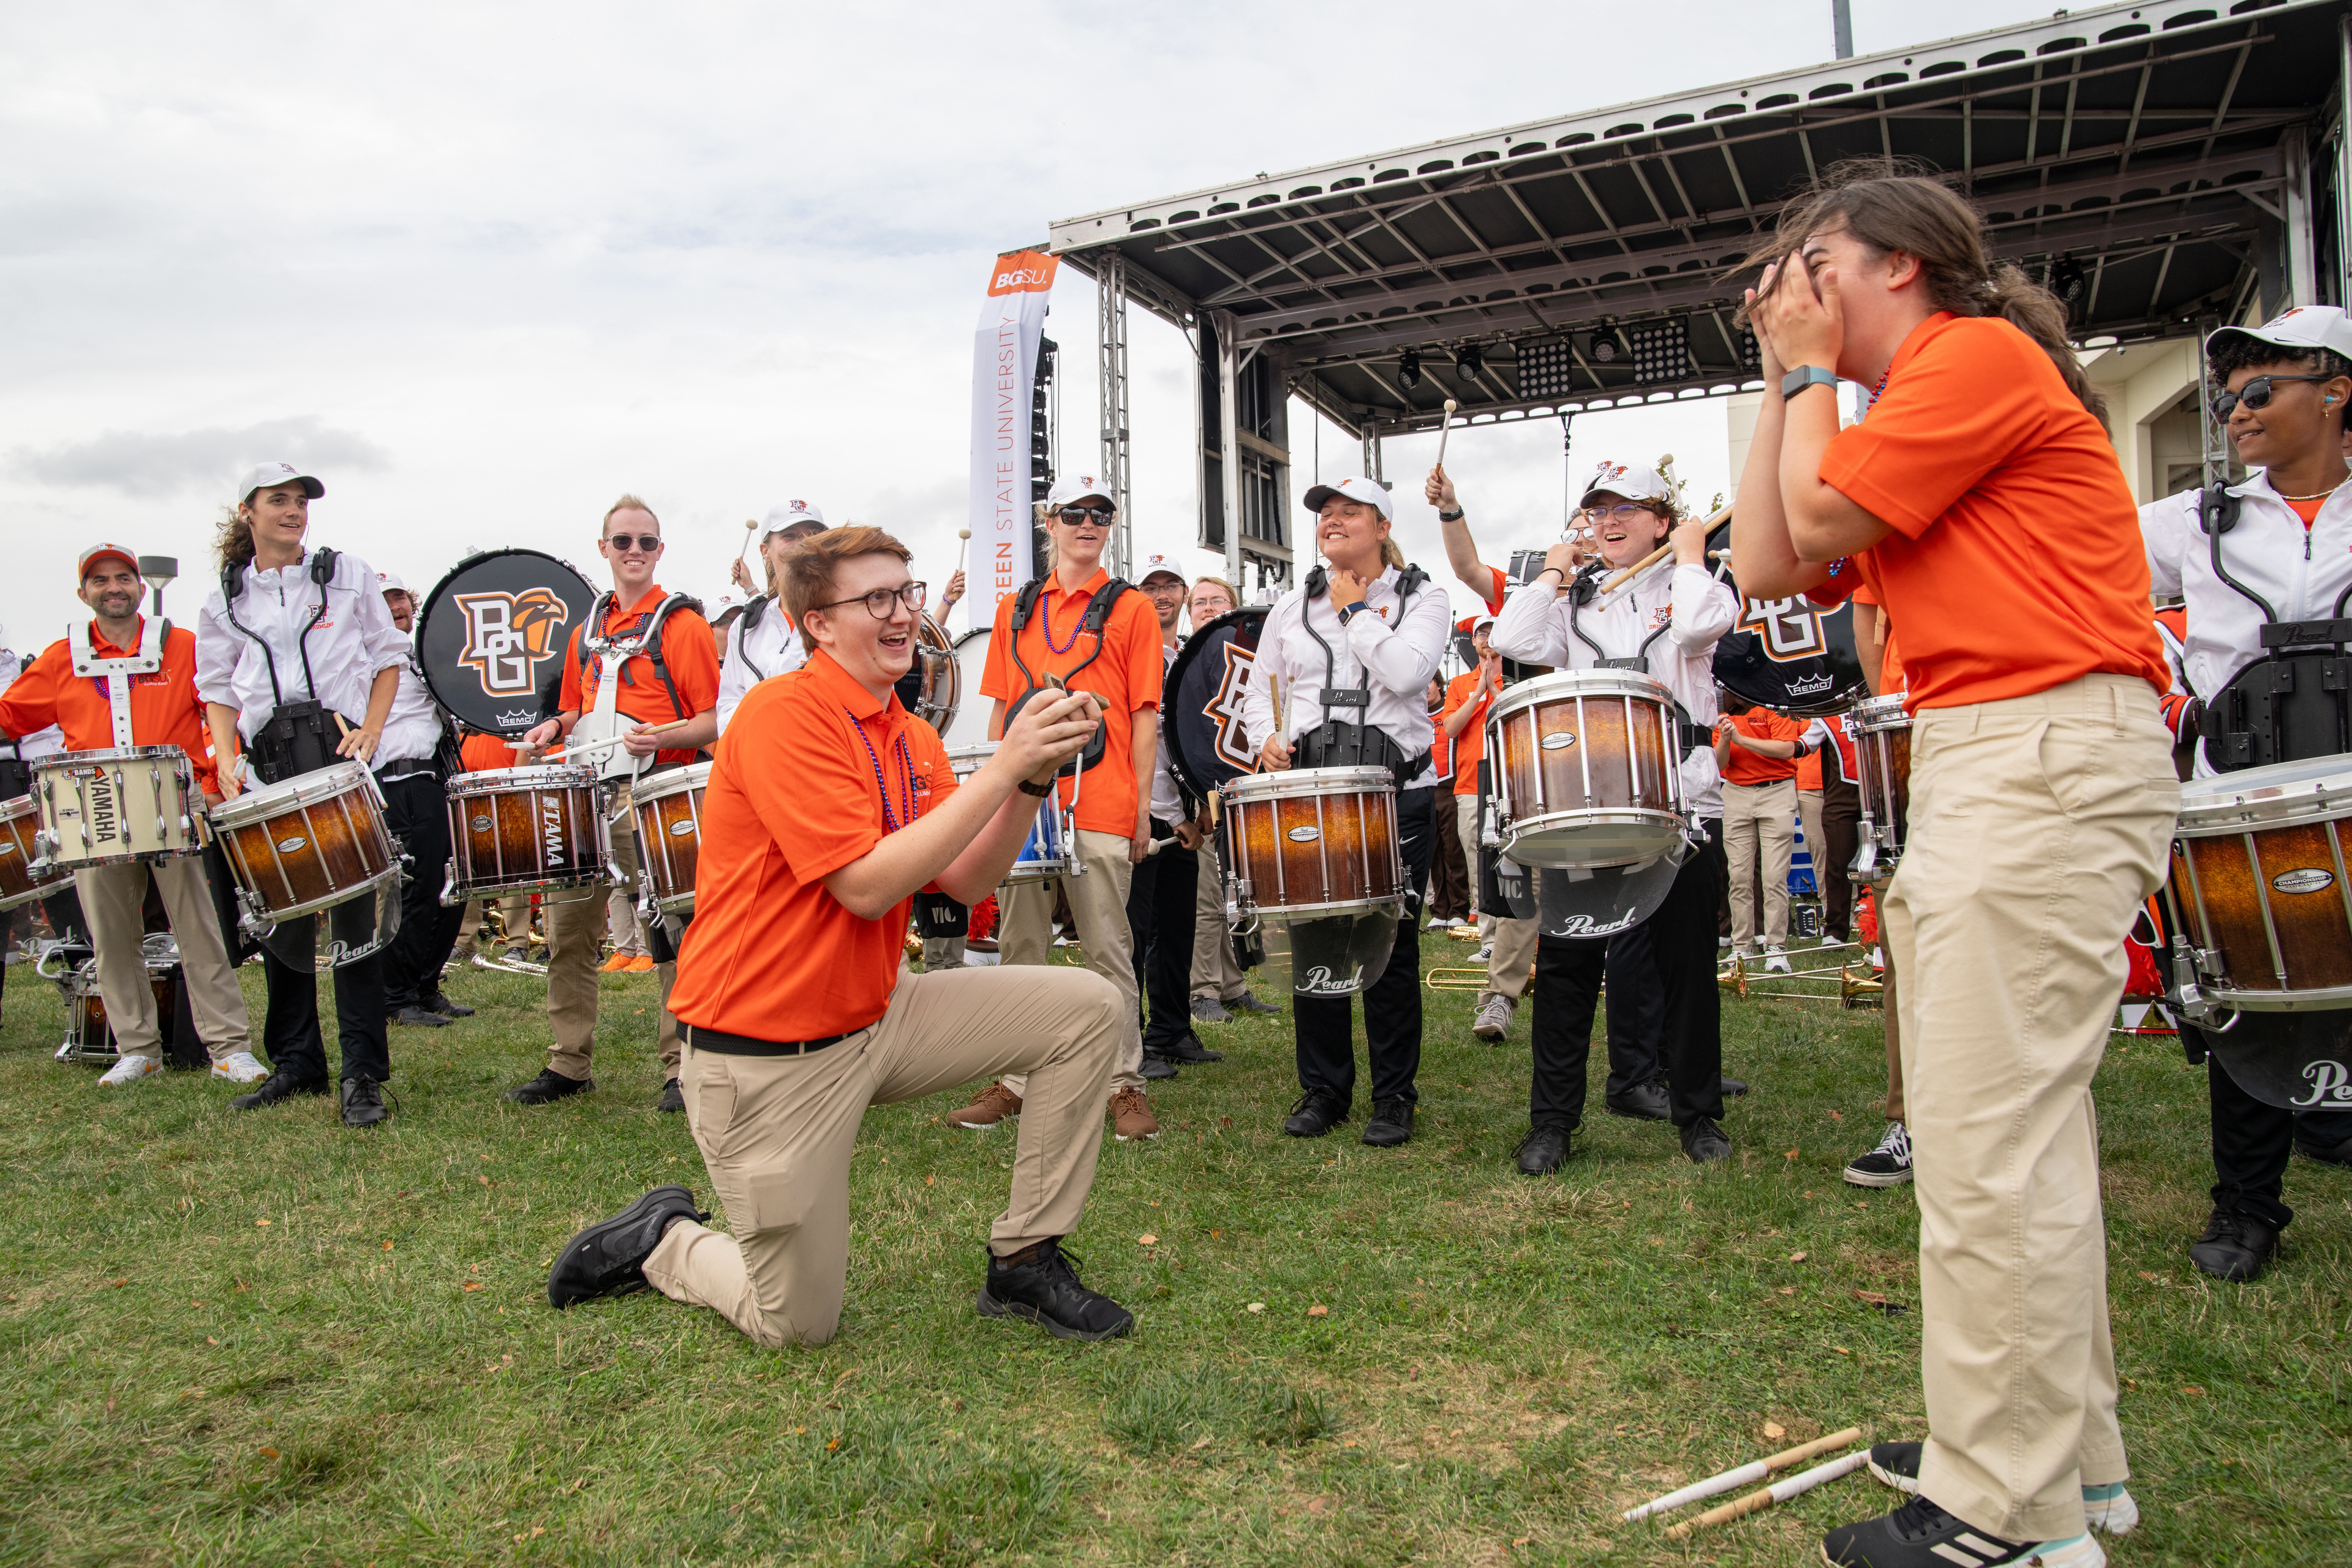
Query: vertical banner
[1004,375]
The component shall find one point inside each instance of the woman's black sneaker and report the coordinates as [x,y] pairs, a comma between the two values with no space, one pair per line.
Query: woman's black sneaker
[608,1258]
[1044,1288]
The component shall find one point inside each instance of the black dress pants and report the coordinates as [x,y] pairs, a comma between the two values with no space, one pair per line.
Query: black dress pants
[1160,912]
[290,1028]
[1637,1012]
[417,813]
[1840,833]
[2253,1139]
[1324,1027]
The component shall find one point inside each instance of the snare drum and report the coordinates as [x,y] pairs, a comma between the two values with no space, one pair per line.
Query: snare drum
[515,830]
[307,843]
[20,880]
[90,1036]
[1043,853]
[2258,873]
[667,809]
[1307,843]
[1587,769]
[116,807]
[1882,748]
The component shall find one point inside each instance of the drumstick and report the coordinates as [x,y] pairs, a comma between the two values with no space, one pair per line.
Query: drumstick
[1779,1491]
[616,740]
[1742,1475]
[1446,429]
[1654,556]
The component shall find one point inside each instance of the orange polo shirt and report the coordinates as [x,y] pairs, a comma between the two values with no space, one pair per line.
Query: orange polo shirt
[1471,744]
[1126,678]
[164,708]
[794,797]
[478,753]
[2016,563]
[687,647]
[1891,679]
[1745,767]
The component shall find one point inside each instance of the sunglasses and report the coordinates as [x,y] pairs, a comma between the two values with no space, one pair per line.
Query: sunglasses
[648,542]
[2256,394]
[878,603]
[1080,516]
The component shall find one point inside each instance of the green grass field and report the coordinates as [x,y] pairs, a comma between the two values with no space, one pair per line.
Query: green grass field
[261,1339]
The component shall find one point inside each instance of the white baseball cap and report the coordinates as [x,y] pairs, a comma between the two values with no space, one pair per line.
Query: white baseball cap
[2300,329]
[390,583]
[261,475]
[1372,492]
[782,517]
[1072,489]
[1633,481]
[1159,566]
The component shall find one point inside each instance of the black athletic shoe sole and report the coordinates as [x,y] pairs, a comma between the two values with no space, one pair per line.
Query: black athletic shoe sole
[634,1214]
[990,1307]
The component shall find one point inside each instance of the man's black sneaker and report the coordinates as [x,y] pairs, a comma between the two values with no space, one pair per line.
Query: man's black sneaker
[1187,1047]
[608,1258]
[1921,1535]
[2106,1508]
[279,1085]
[672,1097]
[1704,1142]
[1208,1010]
[1247,1001]
[1392,1123]
[362,1102]
[419,1018]
[1157,1067]
[549,1085]
[1544,1151]
[1044,1289]
[439,1003]
[1314,1115]
[2235,1246]
[1888,1165]
[1644,1101]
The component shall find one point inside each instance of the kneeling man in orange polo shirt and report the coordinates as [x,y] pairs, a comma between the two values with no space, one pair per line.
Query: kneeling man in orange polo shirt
[829,806]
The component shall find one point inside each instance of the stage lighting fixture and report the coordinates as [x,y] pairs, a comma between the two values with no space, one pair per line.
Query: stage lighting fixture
[1467,364]
[1409,368]
[1606,347]
[2066,281]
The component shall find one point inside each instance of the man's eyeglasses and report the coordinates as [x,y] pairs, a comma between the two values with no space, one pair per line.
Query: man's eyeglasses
[1624,512]
[1080,516]
[2256,394]
[879,602]
[648,542]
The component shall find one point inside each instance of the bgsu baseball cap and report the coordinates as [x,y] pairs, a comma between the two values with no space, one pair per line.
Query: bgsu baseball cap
[785,516]
[1160,566]
[1072,489]
[1631,480]
[2300,329]
[262,476]
[1372,492]
[97,552]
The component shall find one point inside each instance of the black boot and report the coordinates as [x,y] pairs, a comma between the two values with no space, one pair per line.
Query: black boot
[2235,1246]
[362,1102]
[1644,1102]
[1544,1150]
[1704,1142]
[672,1097]
[279,1085]
[1314,1115]
[608,1258]
[1044,1288]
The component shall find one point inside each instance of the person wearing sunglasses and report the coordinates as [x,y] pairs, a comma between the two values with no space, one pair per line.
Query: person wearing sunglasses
[653,662]
[2279,392]
[1078,624]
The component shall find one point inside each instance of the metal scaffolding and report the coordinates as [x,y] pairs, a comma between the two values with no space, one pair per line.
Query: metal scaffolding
[1110,293]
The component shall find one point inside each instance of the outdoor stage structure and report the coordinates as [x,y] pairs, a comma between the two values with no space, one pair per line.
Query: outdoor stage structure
[2165,167]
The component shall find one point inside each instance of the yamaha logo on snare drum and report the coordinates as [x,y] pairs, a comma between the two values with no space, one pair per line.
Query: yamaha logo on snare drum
[1558,739]
[1304,835]
[2310,879]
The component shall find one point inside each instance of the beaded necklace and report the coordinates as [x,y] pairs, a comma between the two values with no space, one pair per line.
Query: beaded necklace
[1057,649]
[890,820]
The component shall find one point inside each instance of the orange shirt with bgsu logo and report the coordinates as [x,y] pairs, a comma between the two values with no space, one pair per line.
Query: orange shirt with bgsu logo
[2016,563]
[1126,678]
[796,793]
[686,648]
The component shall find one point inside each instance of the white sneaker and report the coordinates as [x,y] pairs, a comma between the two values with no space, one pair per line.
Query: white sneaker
[2110,1509]
[1485,954]
[1493,1017]
[1775,961]
[130,1069]
[240,1067]
[1438,922]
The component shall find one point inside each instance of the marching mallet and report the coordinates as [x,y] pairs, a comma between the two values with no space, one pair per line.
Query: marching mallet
[1743,1475]
[1446,429]
[1779,1491]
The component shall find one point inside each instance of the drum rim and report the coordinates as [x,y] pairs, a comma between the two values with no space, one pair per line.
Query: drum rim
[1285,913]
[111,754]
[1298,781]
[18,806]
[255,805]
[2228,810]
[582,776]
[1562,683]
[495,889]
[2323,999]
[136,858]
[1874,715]
[37,890]
[1616,816]
[676,781]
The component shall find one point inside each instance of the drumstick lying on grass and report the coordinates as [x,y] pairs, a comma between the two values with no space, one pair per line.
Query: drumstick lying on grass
[1779,1491]
[1654,556]
[610,740]
[1743,1475]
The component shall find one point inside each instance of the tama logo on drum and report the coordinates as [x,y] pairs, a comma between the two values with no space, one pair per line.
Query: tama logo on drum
[2310,879]
[509,635]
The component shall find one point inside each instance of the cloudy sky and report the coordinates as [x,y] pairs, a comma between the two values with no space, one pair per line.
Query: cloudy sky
[485,267]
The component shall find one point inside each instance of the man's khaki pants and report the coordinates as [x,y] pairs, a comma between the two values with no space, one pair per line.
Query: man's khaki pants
[776,1134]
[1214,972]
[575,931]
[1759,817]
[1099,903]
[112,900]
[1510,944]
[2038,825]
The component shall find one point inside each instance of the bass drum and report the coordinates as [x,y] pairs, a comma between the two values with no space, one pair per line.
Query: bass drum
[967,723]
[1202,697]
[492,637]
[1790,655]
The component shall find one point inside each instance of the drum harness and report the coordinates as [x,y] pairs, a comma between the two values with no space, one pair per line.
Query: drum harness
[1098,608]
[1335,742]
[753,613]
[611,656]
[113,675]
[293,739]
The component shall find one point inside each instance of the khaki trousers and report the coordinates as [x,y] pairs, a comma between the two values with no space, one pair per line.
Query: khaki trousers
[1099,903]
[1760,817]
[943,954]
[113,899]
[1890,1005]
[1214,972]
[575,932]
[2038,825]
[1511,943]
[777,1134]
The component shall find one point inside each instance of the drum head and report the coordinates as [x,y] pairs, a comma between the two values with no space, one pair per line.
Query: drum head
[1602,902]
[968,726]
[1202,699]
[1341,956]
[2299,1060]
[1789,654]
[492,633]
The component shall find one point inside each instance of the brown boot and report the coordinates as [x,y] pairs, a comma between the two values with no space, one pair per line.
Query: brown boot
[996,1104]
[1130,1116]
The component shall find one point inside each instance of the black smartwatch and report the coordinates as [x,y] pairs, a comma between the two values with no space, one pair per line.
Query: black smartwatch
[1454,516]
[1804,377]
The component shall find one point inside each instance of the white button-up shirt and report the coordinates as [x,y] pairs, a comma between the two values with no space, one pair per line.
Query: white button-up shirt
[412,730]
[40,743]
[1690,604]
[1167,800]
[2302,573]
[1394,647]
[352,642]
[772,648]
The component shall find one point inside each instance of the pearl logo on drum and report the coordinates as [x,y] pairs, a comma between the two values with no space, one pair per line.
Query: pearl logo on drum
[287,845]
[1558,740]
[1319,982]
[1304,835]
[2331,1087]
[2310,879]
